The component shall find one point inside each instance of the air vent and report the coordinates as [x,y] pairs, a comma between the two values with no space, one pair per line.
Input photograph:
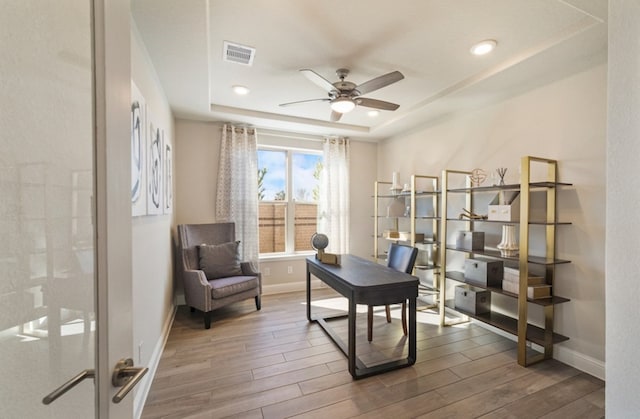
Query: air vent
[237,53]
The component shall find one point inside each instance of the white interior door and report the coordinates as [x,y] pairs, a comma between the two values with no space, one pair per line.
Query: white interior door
[52,202]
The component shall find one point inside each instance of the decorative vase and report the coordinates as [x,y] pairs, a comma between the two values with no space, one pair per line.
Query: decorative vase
[509,244]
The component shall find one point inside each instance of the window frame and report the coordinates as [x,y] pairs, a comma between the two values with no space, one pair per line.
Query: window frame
[290,200]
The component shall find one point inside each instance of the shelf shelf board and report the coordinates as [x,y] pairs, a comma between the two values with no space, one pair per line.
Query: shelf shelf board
[510,187]
[408,218]
[419,194]
[538,260]
[426,267]
[459,277]
[535,334]
[543,223]
[427,241]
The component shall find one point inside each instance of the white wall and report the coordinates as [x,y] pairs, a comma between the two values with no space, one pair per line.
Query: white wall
[623,190]
[197,153]
[363,171]
[152,248]
[196,165]
[566,121]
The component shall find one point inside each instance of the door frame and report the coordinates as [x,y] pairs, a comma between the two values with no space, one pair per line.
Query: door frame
[112,92]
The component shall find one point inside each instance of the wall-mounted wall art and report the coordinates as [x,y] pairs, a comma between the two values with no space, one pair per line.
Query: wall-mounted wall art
[138,153]
[154,170]
[168,177]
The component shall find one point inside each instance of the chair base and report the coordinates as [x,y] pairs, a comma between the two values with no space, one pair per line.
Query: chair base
[207,315]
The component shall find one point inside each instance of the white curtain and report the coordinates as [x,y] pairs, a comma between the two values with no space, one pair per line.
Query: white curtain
[237,194]
[333,214]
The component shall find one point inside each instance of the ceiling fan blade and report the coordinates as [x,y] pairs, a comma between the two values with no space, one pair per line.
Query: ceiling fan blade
[335,116]
[318,79]
[377,104]
[305,101]
[379,82]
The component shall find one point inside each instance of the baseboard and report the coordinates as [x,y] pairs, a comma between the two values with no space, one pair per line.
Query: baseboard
[565,355]
[145,385]
[580,361]
[290,287]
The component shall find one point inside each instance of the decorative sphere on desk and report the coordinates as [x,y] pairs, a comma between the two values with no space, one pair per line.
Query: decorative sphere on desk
[319,241]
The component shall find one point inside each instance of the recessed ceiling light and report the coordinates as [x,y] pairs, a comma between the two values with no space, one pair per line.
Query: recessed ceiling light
[241,90]
[373,114]
[483,47]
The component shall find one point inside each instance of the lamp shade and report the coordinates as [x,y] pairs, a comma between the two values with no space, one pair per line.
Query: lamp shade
[343,104]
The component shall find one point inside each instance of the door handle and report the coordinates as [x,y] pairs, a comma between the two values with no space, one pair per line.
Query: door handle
[49,398]
[125,375]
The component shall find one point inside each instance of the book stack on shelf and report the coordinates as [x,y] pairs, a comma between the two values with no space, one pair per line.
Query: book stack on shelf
[536,285]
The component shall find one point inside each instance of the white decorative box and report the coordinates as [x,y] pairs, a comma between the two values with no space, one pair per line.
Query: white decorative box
[505,207]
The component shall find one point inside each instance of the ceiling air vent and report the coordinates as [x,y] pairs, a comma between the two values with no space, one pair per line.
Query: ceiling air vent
[237,53]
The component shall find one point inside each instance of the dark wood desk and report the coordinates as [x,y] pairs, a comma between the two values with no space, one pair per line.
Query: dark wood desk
[364,282]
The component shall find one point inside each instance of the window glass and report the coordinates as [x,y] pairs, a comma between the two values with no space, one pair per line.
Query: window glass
[286,225]
[272,175]
[306,176]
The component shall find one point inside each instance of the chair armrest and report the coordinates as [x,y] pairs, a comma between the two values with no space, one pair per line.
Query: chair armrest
[197,291]
[249,269]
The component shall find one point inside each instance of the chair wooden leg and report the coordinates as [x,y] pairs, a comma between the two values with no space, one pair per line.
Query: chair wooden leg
[370,323]
[207,320]
[387,310]
[404,318]
[258,302]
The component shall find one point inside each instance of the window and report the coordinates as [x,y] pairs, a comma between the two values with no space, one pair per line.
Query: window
[288,193]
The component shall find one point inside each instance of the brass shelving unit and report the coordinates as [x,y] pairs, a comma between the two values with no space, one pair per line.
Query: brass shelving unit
[417,223]
[520,324]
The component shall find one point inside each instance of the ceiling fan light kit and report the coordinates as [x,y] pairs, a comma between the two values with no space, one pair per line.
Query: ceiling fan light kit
[343,104]
[344,96]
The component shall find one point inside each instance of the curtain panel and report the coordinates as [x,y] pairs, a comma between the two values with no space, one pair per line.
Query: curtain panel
[333,214]
[237,189]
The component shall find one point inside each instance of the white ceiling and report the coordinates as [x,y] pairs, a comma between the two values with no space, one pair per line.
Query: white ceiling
[427,40]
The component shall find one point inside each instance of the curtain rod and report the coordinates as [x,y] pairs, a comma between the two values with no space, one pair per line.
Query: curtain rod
[238,130]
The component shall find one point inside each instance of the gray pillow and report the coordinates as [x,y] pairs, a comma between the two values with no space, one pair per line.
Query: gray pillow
[220,260]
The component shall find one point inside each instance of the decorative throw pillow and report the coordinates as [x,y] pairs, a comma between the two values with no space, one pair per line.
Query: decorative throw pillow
[220,260]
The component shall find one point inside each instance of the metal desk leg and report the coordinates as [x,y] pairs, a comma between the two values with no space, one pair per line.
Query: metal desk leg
[412,331]
[308,295]
[352,336]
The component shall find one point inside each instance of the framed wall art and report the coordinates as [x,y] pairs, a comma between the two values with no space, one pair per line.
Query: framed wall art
[138,153]
[168,177]
[154,170]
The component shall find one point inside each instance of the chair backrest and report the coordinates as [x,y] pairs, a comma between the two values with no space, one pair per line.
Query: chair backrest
[402,258]
[192,235]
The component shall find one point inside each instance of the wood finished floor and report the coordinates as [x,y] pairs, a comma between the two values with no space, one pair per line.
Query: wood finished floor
[274,364]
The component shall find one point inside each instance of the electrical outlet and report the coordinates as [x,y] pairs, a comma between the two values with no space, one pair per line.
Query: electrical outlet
[289,269]
[140,352]
[267,271]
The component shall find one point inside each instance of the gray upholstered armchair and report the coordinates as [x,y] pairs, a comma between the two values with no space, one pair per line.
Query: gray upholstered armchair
[212,274]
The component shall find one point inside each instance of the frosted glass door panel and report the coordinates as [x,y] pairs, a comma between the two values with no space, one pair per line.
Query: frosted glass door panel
[47,319]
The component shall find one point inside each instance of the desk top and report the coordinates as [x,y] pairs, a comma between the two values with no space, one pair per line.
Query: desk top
[366,279]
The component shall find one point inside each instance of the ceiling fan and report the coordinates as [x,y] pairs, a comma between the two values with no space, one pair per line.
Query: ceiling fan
[344,96]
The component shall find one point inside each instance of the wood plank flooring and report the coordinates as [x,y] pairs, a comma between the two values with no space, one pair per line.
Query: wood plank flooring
[274,364]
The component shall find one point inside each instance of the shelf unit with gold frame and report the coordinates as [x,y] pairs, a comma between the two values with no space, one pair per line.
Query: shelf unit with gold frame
[428,246]
[519,324]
